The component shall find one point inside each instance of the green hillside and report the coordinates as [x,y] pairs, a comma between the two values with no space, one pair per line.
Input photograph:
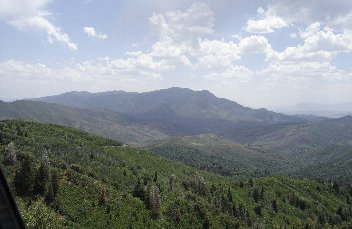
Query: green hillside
[218,155]
[67,178]
[320,151]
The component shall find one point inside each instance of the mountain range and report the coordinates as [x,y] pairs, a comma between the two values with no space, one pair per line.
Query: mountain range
[184,111]
[201,130]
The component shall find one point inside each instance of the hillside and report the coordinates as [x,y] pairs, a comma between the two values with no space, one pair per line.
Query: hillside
[98,121]
[319,150]
[189,112]
[219,155]
[93,182]
[306,140]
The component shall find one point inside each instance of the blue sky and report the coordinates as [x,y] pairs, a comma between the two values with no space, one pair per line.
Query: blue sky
[258,53]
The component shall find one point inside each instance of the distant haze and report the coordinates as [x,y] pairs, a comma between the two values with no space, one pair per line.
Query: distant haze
[325,110]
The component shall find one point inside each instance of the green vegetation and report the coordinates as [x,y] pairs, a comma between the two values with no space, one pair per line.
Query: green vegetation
[218,155]
[95,182]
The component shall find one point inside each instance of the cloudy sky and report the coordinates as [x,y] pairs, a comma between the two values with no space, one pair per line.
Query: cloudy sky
[258,53]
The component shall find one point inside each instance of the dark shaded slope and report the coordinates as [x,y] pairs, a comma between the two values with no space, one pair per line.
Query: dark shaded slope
[101,122]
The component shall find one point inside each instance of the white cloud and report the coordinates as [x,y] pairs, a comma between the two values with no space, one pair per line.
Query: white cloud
[267,23]
[30,15]
[235,73]
[290,71]
[15,8]
[335,14]
[141,68]
[187,26]
[183,42]
[254,44]
[90,31]
[318,45]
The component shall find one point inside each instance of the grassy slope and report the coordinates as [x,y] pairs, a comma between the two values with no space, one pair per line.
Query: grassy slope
[87,164]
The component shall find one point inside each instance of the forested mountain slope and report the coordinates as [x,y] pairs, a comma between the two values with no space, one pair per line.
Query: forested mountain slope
[98,121]
[189,112]
[320,150]
[216,154]
[67,178]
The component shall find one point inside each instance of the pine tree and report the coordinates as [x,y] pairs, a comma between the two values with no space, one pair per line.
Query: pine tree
[154,199]
[274,205]
[250,182]
[53,188]
[24,177]
[155,176]
[336,187]
[229,195]
[241,184]
[42,176]
[138,191]
[262,194]
[255,195]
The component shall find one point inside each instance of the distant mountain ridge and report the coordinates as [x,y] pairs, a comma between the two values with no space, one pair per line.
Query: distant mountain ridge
[270,140]
[189,112]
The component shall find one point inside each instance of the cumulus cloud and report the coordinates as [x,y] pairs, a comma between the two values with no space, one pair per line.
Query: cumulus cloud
[324,31]
[184,26]
[90,31]
[183,42]
[267,23]
[254,44]
[319,44]
[333,13]
[31,15]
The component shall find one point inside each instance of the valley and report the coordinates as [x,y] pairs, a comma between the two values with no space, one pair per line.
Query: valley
[161,160]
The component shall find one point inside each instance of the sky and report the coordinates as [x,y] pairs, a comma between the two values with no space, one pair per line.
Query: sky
[258,53]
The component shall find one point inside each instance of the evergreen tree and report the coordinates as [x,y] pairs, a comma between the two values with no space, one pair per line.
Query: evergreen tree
[229,195]
[262,194]
[24,177]
[241,184]
[255,195]
[138,191]
[336,187]
[155,176]
[250,182]
[154,199]
[53,188]
[42,177]
[274,205]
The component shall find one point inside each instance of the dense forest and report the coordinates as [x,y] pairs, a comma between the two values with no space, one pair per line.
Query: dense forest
[67,178]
